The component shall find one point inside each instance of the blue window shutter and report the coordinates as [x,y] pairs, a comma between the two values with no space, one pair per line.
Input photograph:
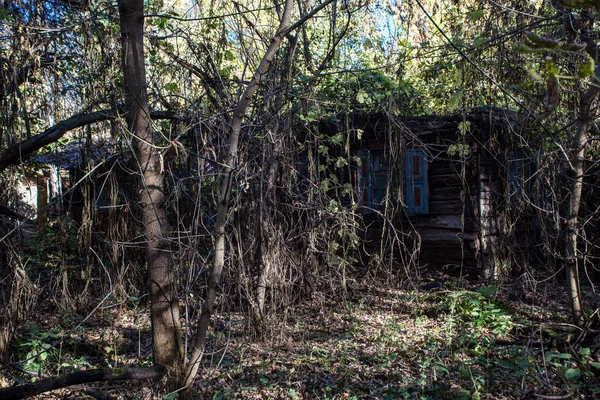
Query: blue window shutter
[417,193]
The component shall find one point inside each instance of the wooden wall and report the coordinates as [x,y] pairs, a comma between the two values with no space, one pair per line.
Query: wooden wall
[448,234]
[466,195]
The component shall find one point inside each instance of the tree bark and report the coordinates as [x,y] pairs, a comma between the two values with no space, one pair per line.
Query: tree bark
[227,176]
[269,253]
[164,302]
[577,158]
[78,378]
[575,188]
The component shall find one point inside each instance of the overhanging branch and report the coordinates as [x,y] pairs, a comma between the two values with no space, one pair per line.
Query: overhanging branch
[80,377]
[20,152]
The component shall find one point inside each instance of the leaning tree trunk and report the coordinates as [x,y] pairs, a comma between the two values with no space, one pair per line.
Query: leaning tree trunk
[577,158]
[227,177]
[575,187]
[164,304]
[78,378]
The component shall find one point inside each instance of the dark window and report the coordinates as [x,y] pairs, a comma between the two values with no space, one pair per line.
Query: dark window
[372,178]
[518,175]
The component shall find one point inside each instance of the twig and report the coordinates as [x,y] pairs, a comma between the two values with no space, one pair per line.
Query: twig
[564,396]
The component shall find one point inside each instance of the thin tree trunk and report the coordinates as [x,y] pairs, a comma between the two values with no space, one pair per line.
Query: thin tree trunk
[164,303]
[227,173]
[575,188]
[269,235]
[583,30]
[269,248]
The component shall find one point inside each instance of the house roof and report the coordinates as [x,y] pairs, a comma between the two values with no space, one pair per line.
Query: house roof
[74,153]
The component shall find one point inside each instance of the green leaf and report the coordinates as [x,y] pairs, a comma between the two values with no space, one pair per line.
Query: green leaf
[172,87]
[572,373]
[337,139]
[347,189]
[595,364]
[475,15]
[361,96]
[561,356]
[585,351]
[479,42]
[464,127]
[551,67]
[264,380]
[441,368]
[586,69]
[341,162]
[456,98]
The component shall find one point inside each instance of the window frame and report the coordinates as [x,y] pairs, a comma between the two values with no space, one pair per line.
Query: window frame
[373,174]
[416,196]
[372,178]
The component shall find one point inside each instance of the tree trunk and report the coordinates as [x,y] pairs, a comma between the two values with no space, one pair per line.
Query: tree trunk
[575,187]
[583,30]
[227,177]
[164,303]
[268,244]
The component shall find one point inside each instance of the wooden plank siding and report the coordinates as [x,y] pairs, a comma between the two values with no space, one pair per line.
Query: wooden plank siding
[466,195]
[448,233]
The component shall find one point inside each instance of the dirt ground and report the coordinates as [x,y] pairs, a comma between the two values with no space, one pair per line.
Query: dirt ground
[437,340]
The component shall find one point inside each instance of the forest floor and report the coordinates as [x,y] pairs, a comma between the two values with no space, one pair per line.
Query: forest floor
[440,341]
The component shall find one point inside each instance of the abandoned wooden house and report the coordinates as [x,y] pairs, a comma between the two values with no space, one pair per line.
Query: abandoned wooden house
[450,191]
[85,179]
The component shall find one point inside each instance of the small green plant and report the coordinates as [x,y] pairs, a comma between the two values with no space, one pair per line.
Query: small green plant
[477,310]
[35,351]
[574,367]
[74,364]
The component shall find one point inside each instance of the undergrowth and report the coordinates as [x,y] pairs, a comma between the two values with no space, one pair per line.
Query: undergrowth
[464,343]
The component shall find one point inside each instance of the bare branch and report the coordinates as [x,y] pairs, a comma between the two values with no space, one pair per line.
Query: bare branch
[79,377]
[20,152]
